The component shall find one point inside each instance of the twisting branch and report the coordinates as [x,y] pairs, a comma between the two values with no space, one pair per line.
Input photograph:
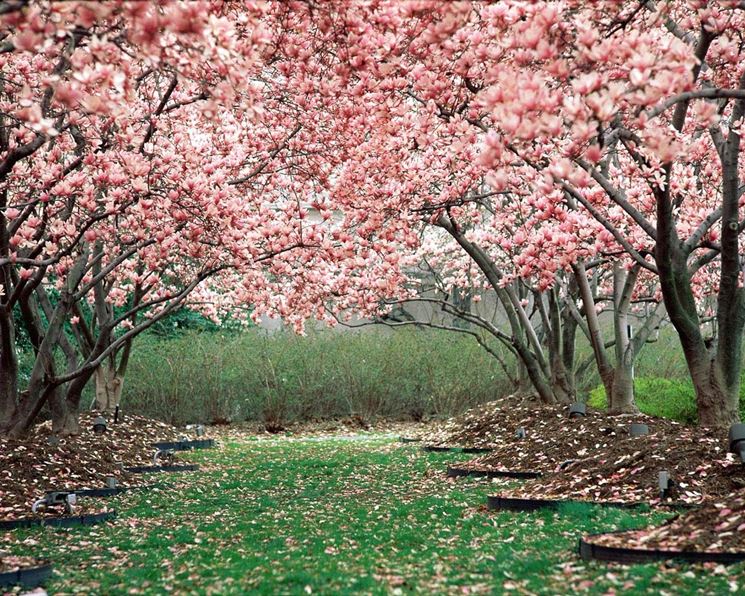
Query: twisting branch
[633,253]
[476,336]
[272,154]
[617,196]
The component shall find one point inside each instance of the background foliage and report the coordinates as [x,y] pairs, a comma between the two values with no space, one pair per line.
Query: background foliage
[186,369]
[280,377]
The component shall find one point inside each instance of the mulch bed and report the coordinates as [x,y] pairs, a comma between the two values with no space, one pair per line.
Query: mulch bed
[486,425]
[30,467]
[626,470]
[552,439]
[594,458]
[718,527]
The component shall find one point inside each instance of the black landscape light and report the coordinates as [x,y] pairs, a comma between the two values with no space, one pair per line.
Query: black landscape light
[111,482]
[665,483]
[116,414]
[160,453]
[99,425]
[737,440]
[638,429]
[199,430]
[577,409]
[55,498]
[520,433]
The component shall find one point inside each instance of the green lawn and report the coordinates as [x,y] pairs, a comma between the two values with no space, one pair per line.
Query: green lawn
[334,516]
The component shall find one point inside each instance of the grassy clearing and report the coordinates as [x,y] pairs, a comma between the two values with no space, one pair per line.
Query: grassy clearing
[328,516]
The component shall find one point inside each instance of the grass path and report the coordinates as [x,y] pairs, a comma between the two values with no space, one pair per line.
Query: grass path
[340,516]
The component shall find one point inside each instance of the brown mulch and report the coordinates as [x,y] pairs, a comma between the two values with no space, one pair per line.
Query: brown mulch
[489,424]
[552,438]
[593,458]
[30,467]
[626,470]
[716,527]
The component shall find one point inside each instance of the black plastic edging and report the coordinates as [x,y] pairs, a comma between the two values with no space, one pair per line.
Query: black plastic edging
[156,469]
[29,577]
[615,554]
[409,440]
[516,504]
[67,521]
[185,445]
[105,492]
[455,472]
[436,448]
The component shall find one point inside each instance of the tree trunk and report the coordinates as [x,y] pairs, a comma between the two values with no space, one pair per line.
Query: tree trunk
[109,386]
[716,403]
[621,397]
[64,418]
[523,386]
[605,369]
[8,369]
[519,322]
[27,412]
[562,373]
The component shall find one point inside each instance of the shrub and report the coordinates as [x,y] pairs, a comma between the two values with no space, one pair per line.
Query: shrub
[280,377]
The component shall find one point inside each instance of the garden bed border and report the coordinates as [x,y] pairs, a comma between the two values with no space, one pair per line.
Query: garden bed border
[28,577]
[499,503]
[437,449]
[158,469]
[456,472]
[184,445]
[67,521]
[618,554]
[103,491]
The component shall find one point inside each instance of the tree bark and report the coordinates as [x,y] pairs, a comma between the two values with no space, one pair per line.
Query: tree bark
[8,368]
[604,367]
[621,398]
[109,386]
[64,420]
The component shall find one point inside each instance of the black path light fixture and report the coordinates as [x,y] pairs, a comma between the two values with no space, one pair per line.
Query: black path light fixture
[111,482]
[577,410]
[55,498]
[638,429]
[99,425]
[737,440]
[665,483]
[199,430]
[162,453]
[520,433]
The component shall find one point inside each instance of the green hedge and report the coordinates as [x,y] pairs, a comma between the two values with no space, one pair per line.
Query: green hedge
[281,377]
